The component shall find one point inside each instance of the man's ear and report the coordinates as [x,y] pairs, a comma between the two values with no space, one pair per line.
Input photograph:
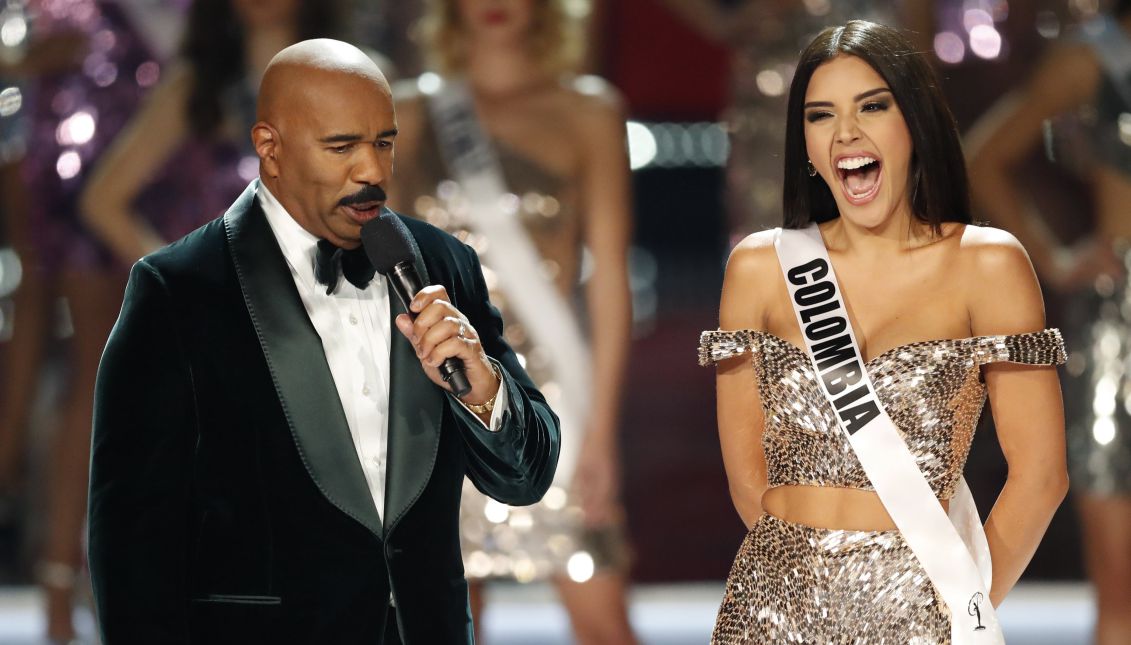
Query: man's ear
[265,140]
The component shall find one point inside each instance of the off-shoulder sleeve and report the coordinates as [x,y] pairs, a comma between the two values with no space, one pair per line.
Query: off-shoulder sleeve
[1037,348]
[715,346]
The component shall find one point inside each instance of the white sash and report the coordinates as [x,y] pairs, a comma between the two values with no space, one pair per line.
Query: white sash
[953,551]
[532,297]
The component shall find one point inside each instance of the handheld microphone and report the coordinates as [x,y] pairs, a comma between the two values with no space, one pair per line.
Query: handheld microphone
[388,245]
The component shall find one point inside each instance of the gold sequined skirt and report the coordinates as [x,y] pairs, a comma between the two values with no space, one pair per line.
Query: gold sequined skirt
[542,541]
[799,584]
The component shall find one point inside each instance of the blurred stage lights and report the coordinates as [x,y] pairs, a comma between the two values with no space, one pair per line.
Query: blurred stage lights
[76,129]
[949,47]
[1048,24]
[68,165]
[429,83]
[976,18]
[985,42]
[676,145]
[11,100]
[981,37]
[13,29]
[11,272]
[770,82]
[580,566]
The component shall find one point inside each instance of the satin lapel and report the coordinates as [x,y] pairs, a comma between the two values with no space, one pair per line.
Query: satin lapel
[416,408]
[297,362]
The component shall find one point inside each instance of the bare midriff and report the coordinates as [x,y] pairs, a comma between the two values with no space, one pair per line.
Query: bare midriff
[824,507]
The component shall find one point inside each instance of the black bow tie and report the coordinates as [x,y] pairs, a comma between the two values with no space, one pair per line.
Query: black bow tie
[331,262]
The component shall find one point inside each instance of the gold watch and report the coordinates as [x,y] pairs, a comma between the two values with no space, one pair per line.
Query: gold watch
[487,406]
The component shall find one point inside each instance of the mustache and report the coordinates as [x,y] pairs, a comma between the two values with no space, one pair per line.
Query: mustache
[367,194]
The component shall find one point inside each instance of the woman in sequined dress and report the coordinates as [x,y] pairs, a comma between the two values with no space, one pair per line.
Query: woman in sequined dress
[1088,76]
[21,62]
[944,312]
[187,154]
[560,142]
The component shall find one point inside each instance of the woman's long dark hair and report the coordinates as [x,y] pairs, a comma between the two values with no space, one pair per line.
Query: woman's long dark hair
[214,48]
[937,178]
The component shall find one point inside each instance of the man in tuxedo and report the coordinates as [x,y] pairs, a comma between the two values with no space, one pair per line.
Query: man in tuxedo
[272,461]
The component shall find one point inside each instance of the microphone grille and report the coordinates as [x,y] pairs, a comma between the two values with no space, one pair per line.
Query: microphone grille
[387,242]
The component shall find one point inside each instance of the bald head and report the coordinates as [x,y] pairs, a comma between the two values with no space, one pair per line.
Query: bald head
[324,136]
[317,70]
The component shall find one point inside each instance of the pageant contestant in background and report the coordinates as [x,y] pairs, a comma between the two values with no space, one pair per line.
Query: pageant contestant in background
[21,353]
[76,111]
[556,181]
[1088,78]
[943,312]
[186,155]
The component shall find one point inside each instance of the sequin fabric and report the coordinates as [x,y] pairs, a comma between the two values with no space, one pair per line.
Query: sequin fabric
[932,390]
[1098,389]
[547,539]
[799,584]
[74,116]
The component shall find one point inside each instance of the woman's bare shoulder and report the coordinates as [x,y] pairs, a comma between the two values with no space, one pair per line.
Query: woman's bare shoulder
[985,248]
[591,99]
[754,258]
[752,276]
[1002,292]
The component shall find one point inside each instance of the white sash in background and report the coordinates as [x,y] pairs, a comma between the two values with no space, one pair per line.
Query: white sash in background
[532,297]
[953,551]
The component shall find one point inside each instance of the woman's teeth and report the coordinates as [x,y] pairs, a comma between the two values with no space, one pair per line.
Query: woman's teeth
[852,163]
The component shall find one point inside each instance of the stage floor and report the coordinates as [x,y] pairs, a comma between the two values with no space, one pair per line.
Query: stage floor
[1035,614]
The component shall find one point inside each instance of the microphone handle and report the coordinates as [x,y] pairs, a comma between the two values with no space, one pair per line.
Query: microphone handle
[406,282]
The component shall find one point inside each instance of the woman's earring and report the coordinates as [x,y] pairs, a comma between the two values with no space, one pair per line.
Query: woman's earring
[812,171]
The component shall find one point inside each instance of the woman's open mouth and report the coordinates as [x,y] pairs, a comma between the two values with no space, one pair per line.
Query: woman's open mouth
[860,178]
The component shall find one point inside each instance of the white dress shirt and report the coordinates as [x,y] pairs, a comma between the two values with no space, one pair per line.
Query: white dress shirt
[355,328]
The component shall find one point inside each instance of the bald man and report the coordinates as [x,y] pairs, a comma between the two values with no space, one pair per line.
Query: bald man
[276,458]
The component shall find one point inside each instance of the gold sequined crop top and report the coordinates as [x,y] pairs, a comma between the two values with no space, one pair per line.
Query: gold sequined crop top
[932,390]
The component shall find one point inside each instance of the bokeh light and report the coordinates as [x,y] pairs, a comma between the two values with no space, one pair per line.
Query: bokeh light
[76,129]
[13,31]
[147,74]
[949,47]
[642,146]
[985,42]
[11,100]
[580,566]
[69,165]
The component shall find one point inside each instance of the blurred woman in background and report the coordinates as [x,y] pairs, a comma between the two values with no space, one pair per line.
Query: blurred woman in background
[24,294]
[187,153]
[76,110]
[1089,78]
[547,177]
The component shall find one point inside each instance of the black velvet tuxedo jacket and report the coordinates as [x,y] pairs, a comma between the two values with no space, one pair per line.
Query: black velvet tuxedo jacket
[227,502]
